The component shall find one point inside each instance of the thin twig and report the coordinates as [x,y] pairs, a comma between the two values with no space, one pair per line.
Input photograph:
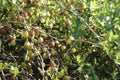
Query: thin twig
[95,44]
[3,75]
[43,71]
[0,44]
[82,20]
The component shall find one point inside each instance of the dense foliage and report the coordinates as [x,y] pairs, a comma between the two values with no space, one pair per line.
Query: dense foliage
[60,39]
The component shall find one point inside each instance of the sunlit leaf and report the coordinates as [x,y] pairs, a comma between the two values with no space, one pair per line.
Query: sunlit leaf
[1,66]
[14,1]
[94,5]
[14,70]
[60,73]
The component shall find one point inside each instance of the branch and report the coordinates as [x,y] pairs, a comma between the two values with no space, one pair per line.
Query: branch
[0,44]
[85,22]
[81,19]
[4,76]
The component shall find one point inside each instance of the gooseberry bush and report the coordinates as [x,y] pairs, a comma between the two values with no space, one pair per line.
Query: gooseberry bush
[59,40]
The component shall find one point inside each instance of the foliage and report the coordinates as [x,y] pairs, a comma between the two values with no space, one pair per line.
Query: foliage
[60,39]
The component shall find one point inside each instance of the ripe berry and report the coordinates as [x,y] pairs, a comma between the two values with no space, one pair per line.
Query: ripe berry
[10,38]
[40,40]
[25,15]
[68,22]
[20,18]
[68,6]
[35,29]
[52,63]
[31,33]
[29,1]
[55,69]
[52,43]
[8,26]
[3,31]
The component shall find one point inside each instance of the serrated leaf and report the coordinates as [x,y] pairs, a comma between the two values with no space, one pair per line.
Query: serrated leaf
[94,5]
[14,70]
[60,74]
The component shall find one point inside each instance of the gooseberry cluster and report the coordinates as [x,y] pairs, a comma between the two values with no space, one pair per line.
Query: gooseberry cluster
[36,41]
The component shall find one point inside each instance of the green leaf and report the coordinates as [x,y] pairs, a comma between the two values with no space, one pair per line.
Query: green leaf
[110,35]
[5,65]
[94,77]
[103,43]
[94,5]
[95,13]
[79,29]
[3,2]
[14,70]
[60,74]
[50,72]
[1,67]
[102,23]
[78,58]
